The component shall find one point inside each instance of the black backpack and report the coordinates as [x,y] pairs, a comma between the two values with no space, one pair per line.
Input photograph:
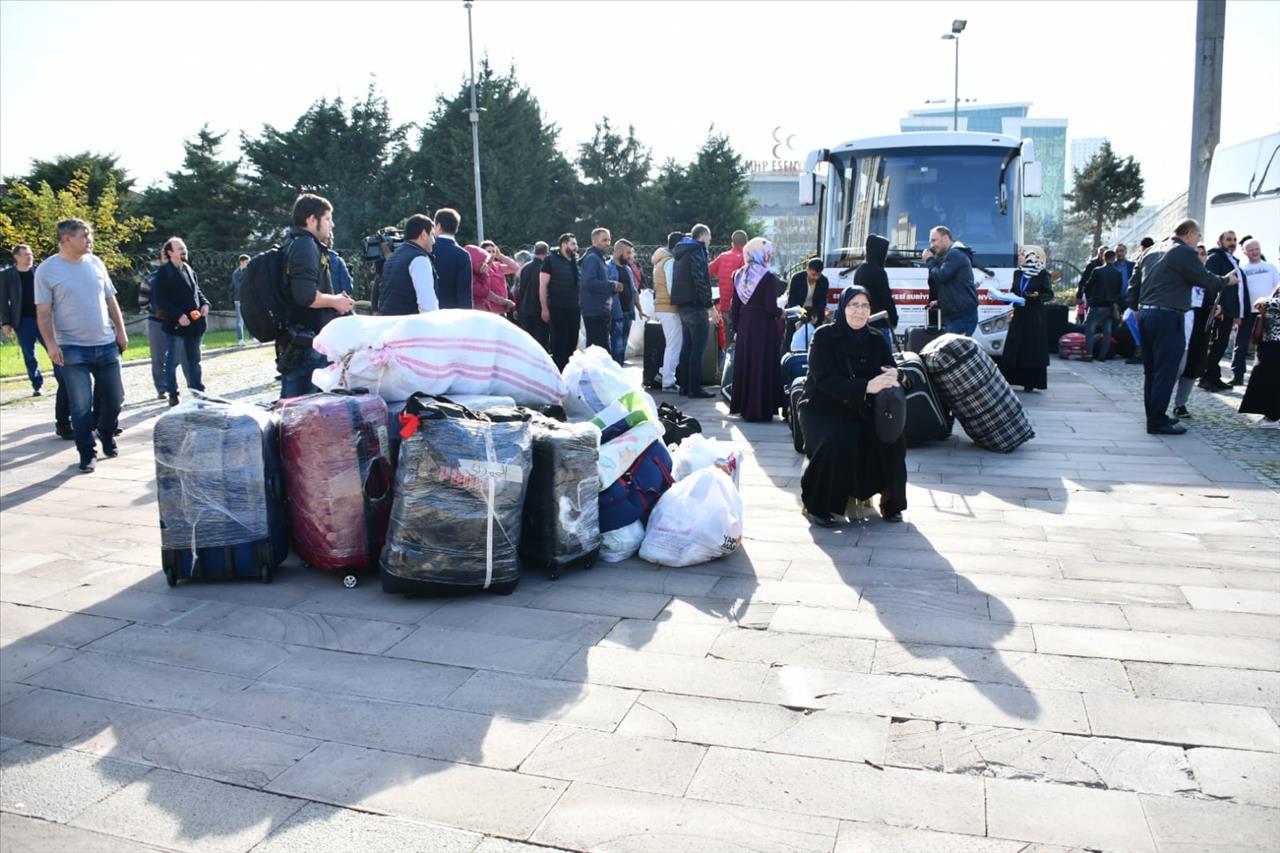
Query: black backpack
[265,303]
[676,425]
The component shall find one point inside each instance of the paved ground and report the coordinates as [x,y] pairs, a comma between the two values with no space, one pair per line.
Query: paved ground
[1073,647]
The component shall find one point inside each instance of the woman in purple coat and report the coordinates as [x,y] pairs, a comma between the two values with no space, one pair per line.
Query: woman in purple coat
[757,369]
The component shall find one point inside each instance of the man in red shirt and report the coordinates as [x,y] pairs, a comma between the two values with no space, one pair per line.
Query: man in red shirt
[723,268]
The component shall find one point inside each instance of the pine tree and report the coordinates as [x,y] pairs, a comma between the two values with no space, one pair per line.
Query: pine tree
[1107,189]
[713,190]
[206,202]
[616,189]
[99,170]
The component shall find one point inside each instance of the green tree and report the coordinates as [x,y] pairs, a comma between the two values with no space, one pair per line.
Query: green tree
[530,189]
[59,172]
[206,202]
[1107,189]
[713,189]
[31,216]
[616,188]
[351,157]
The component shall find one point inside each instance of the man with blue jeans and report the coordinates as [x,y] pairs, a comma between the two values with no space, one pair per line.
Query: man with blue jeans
[83,330]
[313,301]
[624,301]
[951,285]
[597,290]
[691,294]
[1164,280]
[236,278]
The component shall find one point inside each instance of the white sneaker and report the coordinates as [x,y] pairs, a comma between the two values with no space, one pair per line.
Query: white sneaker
[1266,424]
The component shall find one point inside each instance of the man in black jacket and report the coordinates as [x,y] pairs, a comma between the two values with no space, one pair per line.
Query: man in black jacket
[453,264]
[1102,292]
[1230,308]
[691,294]
[951,286]
[808,290]
[18,311]
[529,311]
[1094,262]
[872,276]
[558,284]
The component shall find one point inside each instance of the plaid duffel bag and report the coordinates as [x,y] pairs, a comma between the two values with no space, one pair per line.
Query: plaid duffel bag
[971,386]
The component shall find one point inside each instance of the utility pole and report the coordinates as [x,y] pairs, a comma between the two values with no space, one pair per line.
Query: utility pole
[1206,115]
[955,110]
[474,116]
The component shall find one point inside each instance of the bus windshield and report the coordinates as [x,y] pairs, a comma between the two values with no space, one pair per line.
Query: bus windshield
[902,193]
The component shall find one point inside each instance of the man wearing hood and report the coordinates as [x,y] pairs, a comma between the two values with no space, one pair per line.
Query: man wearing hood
[691,293]
[951,285]
[663,274]
[872,277]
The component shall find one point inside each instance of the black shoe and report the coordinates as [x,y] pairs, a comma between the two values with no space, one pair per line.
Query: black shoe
[1235,382]
[699,395]
[823,519]
[173,400]
[1133,361]
[1213,385]
[1167,429]
[1181,412]
[86,464]
[36,392]
[893,518]
[65,433]
[109,449]
[160,395]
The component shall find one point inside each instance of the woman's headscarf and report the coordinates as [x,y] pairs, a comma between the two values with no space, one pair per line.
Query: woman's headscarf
[758,253]
[845,298]
[1033,260]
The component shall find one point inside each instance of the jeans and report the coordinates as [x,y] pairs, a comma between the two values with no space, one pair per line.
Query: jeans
[597,331]
[694,325]
[1164,344]
[1240,358]
[619,332]
[1099,316]
[83,368]
[961,324]
[28,333]
[673,332]
[188,348]
[239,324]
[297,381]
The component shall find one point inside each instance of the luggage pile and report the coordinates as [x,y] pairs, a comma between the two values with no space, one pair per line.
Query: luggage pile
[971,386]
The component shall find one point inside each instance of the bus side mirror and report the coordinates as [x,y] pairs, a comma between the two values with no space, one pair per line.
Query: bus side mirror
[808,188]
[1032,180]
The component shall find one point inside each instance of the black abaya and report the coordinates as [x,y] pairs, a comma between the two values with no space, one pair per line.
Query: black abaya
[1025,359]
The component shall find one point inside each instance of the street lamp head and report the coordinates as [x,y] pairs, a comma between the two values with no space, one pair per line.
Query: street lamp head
[957,26]
[948,36]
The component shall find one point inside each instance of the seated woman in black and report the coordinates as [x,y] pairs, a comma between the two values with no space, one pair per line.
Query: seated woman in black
[849,363]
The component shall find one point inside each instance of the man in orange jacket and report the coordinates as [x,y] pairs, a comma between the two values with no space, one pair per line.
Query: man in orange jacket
[723,268]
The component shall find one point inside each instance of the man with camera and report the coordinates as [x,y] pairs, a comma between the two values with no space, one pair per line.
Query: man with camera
[409,277]
[311,295]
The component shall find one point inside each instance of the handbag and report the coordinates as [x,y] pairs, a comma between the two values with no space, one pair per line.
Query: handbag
[1255,337]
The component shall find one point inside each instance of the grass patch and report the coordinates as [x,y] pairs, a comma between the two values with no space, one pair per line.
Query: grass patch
[11,356]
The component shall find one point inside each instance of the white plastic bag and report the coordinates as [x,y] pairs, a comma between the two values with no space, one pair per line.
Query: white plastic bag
[697,452]
[621,544]
[699,519]
[594,380]
[635,339]
[620,454]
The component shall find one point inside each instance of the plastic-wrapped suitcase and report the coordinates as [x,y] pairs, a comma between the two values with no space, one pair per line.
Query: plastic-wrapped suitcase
[561,525]
[1071,345]
[459,500]
[794,393]
[970,385]
[220,492]
[337,467]
[927,419]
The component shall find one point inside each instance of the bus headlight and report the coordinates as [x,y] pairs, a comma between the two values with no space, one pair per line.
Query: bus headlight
[995,324]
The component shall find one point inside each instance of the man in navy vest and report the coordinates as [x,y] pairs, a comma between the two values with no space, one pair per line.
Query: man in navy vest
[409,281]
[453,264]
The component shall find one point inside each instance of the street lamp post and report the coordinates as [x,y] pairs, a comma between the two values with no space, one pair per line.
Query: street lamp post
[474,116]
[957,27]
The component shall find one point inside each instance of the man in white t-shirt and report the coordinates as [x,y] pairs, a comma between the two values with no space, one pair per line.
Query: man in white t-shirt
[1262,279]
[84,332]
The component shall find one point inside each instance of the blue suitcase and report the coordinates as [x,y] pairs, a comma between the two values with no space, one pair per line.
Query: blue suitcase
[220,490]
[795,365]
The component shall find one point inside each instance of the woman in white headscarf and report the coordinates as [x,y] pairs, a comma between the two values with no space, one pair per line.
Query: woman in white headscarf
[757,368]
[1025,358]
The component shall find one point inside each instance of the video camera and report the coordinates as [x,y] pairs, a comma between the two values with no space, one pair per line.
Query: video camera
[391,237]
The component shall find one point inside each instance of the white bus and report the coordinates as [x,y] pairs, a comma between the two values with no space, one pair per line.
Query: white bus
[900,187]
[1244,193]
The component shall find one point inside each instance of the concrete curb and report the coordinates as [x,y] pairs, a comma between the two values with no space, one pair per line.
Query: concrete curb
[136,361]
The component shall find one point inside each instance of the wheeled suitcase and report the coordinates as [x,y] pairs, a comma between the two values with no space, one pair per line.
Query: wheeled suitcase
[969,384]
[655,346]
[337,467]
[561,524]
[920,336]
[711,355]
[220,492]
[794,366]
[794,393]
[927,419]
[459,500]
[1071,346]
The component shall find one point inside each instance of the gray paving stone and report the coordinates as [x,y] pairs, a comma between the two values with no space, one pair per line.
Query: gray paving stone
[903,626]
[1176,620]
[10,690]
[669,673]
[440,733]
[719,611]
[469,798]
[1021,669]
[26,589]
[503,845]
[1076,590]
[22,659]
[138,682]
[172,810]
[604,602]
[673,638]
[1196,826]
[53,627]
[146,607]
[880,838]
[651,823]
[527,622]
[367,601]
[461,648]
[1024,611]
[29,835]
[646,578]
[228,655]
[1236,600]
[1190,723]
[571,703]
[838,653]
[1246,777]
[620,761]
[1205,684]
[1067,815]
[343,673]
[9,743]
[840,789]
[1242,652]
[750,725]
[1042,756]
[296,627]
[317,827]
[57,784]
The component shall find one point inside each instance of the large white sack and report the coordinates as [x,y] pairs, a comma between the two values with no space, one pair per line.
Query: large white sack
[697,520]
[621,544]
[593,381]
[697,452]
[452,351]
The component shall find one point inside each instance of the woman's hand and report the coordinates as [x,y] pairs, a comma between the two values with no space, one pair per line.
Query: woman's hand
[888,378]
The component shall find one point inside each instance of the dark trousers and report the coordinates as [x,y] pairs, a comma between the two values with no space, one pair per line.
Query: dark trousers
[1219,340]
[538,330]
[1240,358]
[1098,317]
[92,375]
[297,380]
[619,331]
[564,336]
[187,350]
[693,322]
[28,335]
[597,331]
[1163,342]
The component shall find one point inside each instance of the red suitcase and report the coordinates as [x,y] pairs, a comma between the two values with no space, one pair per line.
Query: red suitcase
[1071,345]
[337,471]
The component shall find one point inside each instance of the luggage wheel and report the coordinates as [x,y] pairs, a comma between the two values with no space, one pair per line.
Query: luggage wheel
[265,573]
[350,581]
[170,577]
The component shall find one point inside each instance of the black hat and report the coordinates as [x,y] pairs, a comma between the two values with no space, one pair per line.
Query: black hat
[889,411]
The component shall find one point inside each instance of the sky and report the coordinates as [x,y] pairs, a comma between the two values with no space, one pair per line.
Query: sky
[138,78]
